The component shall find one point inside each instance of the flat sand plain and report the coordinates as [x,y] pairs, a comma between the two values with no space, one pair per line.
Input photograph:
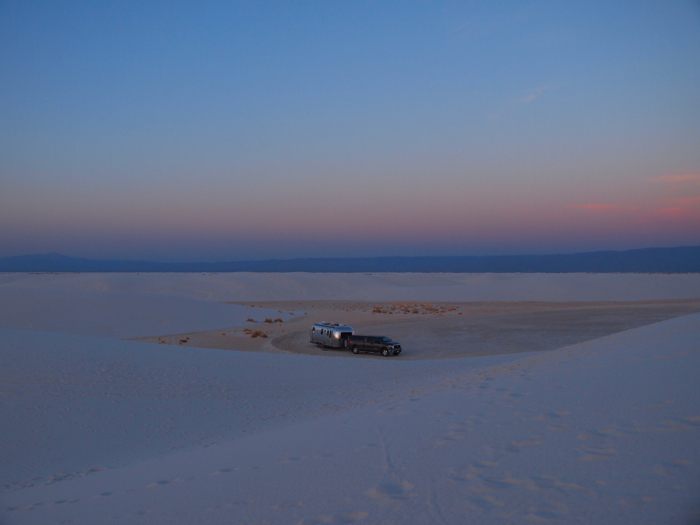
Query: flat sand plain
[436,330]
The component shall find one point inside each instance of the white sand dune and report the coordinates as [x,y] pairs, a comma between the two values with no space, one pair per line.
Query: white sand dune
[90,402]
[117,314]
[376,287]
[98,430]
[606,432]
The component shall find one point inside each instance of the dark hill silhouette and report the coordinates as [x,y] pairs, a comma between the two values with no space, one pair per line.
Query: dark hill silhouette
[648,260]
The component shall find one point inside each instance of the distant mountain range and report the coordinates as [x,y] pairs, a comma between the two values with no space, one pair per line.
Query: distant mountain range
[648,260]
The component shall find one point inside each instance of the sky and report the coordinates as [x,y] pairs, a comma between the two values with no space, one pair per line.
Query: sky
[212,131]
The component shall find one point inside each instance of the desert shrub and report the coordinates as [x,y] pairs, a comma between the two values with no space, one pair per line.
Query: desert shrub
[259,333]
[268,320]
[249,320]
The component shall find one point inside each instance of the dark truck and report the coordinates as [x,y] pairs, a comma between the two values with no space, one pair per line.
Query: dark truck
[373,343]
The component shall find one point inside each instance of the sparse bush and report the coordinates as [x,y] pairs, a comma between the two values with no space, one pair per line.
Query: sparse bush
[259,333]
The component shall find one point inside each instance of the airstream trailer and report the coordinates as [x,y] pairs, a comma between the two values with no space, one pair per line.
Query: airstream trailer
[331,335]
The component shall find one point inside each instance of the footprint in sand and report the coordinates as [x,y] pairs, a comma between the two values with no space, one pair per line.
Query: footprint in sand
[464,475]
[550,513]
[510,448]
[503,482]
[288,505]
[551,482]
[223,471]
[335,519]
[472,471]
[670,468]
[162,482]
[391,491]
[550,415]
[596,454]
[485,464]
[486,502]
[517,446]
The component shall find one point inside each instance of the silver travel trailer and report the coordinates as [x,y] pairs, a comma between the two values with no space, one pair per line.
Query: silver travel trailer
[331,335]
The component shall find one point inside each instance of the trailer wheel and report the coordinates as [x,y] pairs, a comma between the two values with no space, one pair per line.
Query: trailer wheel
[320,345]
[355,350]
[385,352]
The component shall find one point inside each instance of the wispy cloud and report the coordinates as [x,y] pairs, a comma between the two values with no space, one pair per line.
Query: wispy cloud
[676,179]
[680,192]
[672,212]
[486,25]
[526,98]
[599,207]
[686,201]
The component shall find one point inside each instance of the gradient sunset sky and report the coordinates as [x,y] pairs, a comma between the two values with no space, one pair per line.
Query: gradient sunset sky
[205,131]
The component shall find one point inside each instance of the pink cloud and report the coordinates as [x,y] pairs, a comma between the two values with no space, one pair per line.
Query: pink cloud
[671,212]
[686,201]
[597,207]
[675,179]
[526,98]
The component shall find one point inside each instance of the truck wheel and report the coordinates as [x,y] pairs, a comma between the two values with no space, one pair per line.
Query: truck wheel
[355,350]
[385,352]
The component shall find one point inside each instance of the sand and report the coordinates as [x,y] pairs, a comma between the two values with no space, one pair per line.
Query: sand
[240,287]
[519,398]
[438,330]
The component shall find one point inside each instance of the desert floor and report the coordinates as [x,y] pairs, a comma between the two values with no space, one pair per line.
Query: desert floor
[439,330]
[564,398]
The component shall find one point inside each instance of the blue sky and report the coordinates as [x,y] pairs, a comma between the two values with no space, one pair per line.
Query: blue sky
[239,130]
